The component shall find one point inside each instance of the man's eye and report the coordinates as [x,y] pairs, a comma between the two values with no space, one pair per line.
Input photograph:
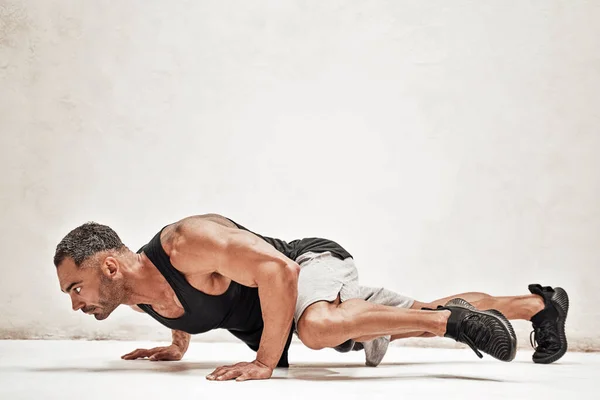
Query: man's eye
[78,290]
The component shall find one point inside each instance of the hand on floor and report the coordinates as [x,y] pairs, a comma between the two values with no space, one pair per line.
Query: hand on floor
[241,372]
[166,353]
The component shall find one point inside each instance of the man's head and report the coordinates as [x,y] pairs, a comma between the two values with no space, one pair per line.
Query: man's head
[89,262]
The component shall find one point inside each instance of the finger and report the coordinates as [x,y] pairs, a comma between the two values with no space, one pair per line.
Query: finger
[243,377]
[253,375]
[222,371]
[142,353]
[232,374]
[219,370]
[129,354]
[215,373]
[164,355]
[136,354]
[160,356]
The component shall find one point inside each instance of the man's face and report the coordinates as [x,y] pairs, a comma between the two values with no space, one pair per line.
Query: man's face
[93,290]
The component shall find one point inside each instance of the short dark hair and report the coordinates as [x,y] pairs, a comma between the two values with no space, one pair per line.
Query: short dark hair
[85,241]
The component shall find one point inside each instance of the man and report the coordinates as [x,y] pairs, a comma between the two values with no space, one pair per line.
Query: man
[207,272]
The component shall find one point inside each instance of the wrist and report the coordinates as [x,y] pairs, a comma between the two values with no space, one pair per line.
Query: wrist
[181,340]
[178,346]
[264,364]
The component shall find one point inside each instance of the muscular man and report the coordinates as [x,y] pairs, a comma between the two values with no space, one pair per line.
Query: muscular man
[207,272]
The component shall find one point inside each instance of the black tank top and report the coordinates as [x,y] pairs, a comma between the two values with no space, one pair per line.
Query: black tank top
[238,309]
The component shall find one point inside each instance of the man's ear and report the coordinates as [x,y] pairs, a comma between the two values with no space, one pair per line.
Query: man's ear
[110,267]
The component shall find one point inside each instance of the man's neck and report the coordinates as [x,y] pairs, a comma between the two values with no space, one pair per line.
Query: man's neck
[146,284]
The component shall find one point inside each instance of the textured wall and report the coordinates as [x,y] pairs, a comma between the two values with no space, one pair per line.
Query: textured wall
[450,146]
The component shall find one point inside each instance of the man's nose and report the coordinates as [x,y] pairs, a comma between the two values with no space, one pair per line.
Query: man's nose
[77,305]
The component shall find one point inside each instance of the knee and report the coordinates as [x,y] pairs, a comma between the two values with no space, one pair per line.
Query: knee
[316,329]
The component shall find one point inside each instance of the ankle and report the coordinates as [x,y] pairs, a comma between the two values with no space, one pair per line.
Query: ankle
[530,306]
[441,322]
[534,305]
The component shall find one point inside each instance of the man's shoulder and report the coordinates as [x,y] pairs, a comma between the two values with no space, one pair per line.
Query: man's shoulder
[208,218]
[177,233]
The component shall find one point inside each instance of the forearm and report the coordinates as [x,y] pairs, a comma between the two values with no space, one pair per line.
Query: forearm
[181,339]
[278,300]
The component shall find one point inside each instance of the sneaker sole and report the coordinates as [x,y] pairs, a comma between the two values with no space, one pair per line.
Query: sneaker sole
[560,299]
[504,342]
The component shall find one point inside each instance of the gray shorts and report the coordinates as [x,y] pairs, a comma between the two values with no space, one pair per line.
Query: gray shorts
[324,276]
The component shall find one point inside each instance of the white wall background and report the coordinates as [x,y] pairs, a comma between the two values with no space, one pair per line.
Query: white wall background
[450,146]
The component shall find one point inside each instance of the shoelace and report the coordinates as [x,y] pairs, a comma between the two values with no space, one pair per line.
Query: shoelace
[469,342]
[472,326]
[544,337]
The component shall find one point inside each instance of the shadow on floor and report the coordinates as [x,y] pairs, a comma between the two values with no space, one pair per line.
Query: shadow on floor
[381,366]
[136,366]
[323,374]
[304,372]
[182,366]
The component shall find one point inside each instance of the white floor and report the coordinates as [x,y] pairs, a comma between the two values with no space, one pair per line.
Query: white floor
[94,370]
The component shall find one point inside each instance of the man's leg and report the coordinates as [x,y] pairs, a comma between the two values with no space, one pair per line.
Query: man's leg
[513,307]
[322,321]
[545,307]
[376,348]
[326,324]
[360,320]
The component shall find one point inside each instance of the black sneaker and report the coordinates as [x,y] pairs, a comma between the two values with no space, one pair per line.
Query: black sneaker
[549,324]
[488,331]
